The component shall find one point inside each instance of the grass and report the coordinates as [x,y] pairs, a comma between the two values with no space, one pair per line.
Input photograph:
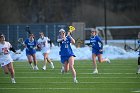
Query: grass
[118,77]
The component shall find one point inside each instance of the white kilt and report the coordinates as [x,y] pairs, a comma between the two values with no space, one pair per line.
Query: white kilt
[5,59]
[45,50]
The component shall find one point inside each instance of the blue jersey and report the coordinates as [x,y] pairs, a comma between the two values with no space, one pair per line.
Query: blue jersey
[30,46]
[96,43]
[65,47]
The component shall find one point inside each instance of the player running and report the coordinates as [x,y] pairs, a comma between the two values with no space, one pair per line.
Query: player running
[138,72]
[66,53]
[44,46]
[5,58]
[97,50]
[30,44]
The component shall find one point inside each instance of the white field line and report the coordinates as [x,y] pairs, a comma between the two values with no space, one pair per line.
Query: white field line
[136,91]
[87,65]
[81,69]
[64,88]
[77,77]
[82,73]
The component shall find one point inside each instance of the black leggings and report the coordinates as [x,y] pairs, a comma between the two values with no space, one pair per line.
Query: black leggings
[138,60]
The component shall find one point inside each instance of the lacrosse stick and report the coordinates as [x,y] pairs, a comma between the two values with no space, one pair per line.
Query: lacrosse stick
[127,47]
[71,29]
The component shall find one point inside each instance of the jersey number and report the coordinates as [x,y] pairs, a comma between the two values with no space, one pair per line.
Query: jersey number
[5,51]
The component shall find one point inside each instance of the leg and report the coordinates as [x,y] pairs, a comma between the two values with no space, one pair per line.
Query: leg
[71,63]
[66,66]
[12,72]
[138,65]
[30,60]
[94,61]
[48,60]
[35,62]
[95,71]
[11,69]
[34,59]
[45,61]
[5,69]
[45,58]
[101,60]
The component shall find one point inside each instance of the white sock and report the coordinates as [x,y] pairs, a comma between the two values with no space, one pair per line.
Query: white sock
[32,65]
[74,78]
[12,78]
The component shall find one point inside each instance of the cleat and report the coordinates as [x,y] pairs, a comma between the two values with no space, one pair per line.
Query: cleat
[52,66]
[95,71]
[108,60]
[138,71]
[13,80]
[32,66]
[44,67]
[75,81]
[62,70]
[36,68]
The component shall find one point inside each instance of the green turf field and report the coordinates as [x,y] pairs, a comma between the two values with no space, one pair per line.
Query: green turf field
[118,77]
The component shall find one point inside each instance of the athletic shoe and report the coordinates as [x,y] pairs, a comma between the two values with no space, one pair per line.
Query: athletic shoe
[108,60]
[75,81]
[62,70]
[32,66]
[44,67]
[95,71]
[52,66]
[138,71]
[36,68]
[13,80]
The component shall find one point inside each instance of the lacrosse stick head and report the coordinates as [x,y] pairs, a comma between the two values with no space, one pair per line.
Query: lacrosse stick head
[20,40]
[71,29]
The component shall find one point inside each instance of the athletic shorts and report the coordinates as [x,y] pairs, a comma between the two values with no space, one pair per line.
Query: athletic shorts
[65,58]
[30,52]
[96,52]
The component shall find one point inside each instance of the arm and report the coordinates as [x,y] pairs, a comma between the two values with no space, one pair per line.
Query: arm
[12,49]
[59,40]
[101,44]
[49,41]
[72,40]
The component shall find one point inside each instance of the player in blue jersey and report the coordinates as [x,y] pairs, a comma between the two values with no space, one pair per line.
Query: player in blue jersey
[97,49]
[66,53]
[30,45]
[138,72]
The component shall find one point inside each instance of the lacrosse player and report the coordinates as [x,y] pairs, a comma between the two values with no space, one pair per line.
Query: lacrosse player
[66,53]
[5,58]
[44,46]
[30,44]
[97,50]
[138,72]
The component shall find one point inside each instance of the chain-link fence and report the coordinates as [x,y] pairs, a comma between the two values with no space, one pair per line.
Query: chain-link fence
[13,32]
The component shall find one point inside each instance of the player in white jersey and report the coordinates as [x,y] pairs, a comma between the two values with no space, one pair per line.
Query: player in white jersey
[5,58]
[44,46]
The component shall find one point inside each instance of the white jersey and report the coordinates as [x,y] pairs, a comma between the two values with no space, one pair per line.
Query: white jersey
[44,45]
[5,56]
